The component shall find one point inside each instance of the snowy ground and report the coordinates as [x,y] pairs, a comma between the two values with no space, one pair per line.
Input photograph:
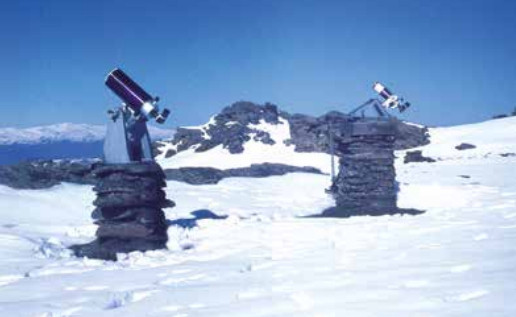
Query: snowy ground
[457,259]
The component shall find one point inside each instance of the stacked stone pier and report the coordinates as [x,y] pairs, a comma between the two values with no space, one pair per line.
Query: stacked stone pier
[366,182]
[128,211]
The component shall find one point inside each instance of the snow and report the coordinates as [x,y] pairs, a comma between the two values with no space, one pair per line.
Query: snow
[265,259]
[71,132]
[255,152]
[492,137]
[52,133]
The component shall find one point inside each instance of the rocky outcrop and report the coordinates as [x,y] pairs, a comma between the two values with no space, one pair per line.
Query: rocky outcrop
[410,135]
[231,128]
[45,174]
[128,210]
[465,146]
[416,157]
[310,134]
[236,124]
[207,175]
[38,175]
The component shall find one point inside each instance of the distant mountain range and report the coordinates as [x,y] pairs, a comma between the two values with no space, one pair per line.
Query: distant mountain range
[58,141]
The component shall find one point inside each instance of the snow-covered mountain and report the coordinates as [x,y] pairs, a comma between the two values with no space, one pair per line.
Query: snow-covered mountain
[70,132]
[52,133]
[456,259]
[64,140]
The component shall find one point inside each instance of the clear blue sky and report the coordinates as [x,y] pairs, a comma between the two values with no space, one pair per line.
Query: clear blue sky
[454,60]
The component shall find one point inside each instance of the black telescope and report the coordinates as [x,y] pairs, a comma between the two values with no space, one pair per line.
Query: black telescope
[134,97]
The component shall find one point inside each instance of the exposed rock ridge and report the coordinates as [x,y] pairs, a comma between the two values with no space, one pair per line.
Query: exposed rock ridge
[208,175]
[45,174]
[236,124]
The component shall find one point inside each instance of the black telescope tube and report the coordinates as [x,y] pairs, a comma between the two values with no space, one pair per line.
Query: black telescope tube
[129,91]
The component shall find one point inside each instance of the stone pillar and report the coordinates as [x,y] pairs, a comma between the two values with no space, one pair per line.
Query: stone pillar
[366,182]
[128,210]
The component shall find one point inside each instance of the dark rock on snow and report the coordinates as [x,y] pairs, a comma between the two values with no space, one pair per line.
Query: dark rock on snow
[39,175]
[465,146]
[416,157]
[44,174]
[208,175]
[195,175]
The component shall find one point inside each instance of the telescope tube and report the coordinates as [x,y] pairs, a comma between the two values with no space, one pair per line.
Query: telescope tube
[382,90]
[129,91]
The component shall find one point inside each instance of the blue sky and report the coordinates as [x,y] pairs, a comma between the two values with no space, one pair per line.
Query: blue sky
[454,60]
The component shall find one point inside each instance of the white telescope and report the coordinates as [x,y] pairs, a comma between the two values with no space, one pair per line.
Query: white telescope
[390,100]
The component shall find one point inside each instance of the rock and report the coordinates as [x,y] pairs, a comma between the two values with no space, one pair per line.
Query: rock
[465,146]
[129,216]
[268,169]
[124,230]
[208,175]
[195,175]
[410,135]
[107,248]
[231,128]
[366,182]
[131,169]
[417,157]
[234,126]
[45,174]
[39,175]
[170,153]
[507,154]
